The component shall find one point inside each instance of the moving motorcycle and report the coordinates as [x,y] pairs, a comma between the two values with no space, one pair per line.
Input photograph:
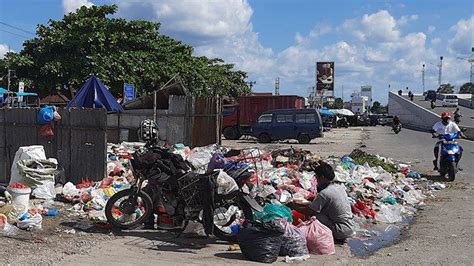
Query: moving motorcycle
[342,122]
[449,155]
[397,128]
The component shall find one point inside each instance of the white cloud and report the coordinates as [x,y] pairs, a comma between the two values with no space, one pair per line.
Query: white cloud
[405,19]
[436,41]
[73,5]
[380,26]
[464,37]
[193,21]
[3,50]
[431,29]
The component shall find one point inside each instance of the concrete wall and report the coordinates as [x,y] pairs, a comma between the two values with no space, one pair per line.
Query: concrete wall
[416,117]
[411,115]
[466,103]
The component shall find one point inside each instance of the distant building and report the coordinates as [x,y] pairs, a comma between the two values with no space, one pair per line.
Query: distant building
[367,92]
[359,103]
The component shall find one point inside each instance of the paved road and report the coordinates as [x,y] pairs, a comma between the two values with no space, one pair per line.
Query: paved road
[442,234]
[468,114]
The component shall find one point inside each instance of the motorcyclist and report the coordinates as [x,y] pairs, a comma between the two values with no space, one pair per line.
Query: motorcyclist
[396,120]
[457,116]
[445,126]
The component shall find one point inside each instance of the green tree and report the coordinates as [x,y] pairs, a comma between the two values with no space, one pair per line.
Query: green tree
[376,108]
[467,88]
[66,52]
[339,103]
[446,88]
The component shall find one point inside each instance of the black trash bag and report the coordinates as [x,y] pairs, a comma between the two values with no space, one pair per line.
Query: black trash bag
[261,242]
[294,244]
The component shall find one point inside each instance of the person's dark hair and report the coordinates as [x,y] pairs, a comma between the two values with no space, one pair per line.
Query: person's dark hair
[324,170]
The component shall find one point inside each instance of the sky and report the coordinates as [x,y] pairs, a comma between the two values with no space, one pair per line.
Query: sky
[378,43]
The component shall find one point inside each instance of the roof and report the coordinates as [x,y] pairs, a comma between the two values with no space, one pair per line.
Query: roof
[94,94]
[56,98]
[292,110]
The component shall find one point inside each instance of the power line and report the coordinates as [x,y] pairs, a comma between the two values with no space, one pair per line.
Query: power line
[19,35]
[16,28]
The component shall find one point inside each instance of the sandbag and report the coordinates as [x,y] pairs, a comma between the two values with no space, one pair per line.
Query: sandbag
[294,242]
[261,242]
[318,237]
[37,172]
[24,153]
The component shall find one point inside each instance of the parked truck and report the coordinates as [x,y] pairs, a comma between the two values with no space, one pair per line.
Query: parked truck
[238,118]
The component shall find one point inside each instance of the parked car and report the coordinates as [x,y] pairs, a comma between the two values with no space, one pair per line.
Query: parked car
[450,100]
[386,120]
[300,124]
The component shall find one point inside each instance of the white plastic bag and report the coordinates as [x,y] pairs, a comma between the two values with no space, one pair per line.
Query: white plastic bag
[33,222]
[25,153]
[45,191]
[70,189]
[225,183]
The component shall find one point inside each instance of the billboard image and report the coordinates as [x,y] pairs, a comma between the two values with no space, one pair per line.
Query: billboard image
[325,76]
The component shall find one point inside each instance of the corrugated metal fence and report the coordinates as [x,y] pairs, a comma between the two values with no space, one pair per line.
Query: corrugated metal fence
[79,141]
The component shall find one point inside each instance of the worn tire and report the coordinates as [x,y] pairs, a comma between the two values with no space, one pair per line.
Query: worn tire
[124,193]
[264,138]
[231,133]
[304,139]
[452,171]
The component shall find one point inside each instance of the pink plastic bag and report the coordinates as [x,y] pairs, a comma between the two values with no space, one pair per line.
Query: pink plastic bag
[318,237]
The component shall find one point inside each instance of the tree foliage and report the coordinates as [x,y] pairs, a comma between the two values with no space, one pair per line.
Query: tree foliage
[338,103]
[446,88]
[467,88]
[376,108]
[66,52]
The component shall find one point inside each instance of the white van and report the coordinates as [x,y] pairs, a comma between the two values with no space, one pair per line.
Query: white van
[450,100]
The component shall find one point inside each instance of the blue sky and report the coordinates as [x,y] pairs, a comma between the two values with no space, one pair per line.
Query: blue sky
[371,42]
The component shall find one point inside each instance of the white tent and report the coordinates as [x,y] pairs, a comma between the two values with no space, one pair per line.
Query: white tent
[342,112]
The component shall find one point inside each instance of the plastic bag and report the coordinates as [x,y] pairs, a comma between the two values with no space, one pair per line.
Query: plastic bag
[225,184]
[271,212]
[261,242]
[70,189]
[318,237]
[33,222]
[45,115]
[24,153]
[45,191]
[294,242]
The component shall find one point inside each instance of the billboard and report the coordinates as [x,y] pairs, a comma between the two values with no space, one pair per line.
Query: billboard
[325,76]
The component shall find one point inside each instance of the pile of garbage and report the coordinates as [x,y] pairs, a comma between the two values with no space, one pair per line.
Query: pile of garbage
[379,191]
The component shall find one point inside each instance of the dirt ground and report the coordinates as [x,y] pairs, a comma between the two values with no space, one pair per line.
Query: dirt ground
[442,233]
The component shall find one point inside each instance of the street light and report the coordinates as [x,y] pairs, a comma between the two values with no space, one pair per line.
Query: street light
[440,65]
[423,78]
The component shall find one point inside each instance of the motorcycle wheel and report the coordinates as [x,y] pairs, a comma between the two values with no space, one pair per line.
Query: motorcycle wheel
[128,207]
[222,232]
[452,171]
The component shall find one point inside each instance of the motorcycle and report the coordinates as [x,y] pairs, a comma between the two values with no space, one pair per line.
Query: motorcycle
[433,104]
[397,128]
[342,122]
[457,118]
[449,155]
[178,196]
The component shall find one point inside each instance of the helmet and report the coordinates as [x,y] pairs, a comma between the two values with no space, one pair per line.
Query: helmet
[148,131]
[446,115]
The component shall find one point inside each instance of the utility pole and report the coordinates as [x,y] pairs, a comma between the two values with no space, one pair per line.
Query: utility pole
[470,60]
[9,74]
[440,65]
[277,86]
[423,78]
[315,81]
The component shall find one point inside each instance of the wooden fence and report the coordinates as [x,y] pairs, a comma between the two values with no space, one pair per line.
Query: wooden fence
[79,141]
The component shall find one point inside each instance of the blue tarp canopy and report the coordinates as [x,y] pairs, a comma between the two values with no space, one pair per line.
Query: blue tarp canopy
[325,112]
[94,94]
[3,91]
[19,94]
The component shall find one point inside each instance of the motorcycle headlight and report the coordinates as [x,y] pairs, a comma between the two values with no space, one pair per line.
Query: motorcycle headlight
[451,152]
